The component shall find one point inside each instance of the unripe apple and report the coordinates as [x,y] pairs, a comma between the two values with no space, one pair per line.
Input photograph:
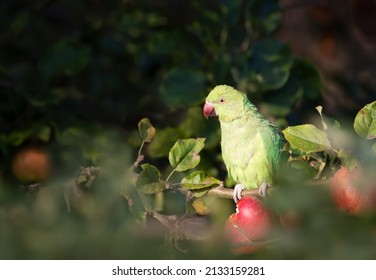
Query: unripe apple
[250,224]
[352,191]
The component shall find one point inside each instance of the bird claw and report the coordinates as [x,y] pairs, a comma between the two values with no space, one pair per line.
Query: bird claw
[237,193]
[262,189]
[238,189]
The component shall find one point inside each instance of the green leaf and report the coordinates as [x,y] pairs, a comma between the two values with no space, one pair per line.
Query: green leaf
[135,204]
[269,65]
[266,15]
[200,192]
[146,129]
[230,11]
[327,123]
[198,180]
[163,141]
[319,109]
[148,180]
[16,137]
[365,121]
[193,123]
[307,138]
[65,57]
[152,188]
[182,88]
[184,154]
[304,167]
[304,82]
[71,135]
[44,133]
[307,77]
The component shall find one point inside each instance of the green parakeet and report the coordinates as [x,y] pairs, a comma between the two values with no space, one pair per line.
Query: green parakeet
[251,145]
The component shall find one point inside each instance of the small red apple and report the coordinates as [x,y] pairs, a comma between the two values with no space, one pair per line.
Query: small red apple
[250,223]
[352,192]
[31,164]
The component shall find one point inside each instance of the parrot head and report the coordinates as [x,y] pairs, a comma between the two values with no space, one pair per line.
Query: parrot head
[225,102]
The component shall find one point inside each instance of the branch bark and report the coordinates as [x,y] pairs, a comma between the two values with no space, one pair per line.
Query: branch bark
[228,193]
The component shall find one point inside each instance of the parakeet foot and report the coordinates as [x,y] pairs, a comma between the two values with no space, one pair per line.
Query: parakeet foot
[262,189]
[237,194]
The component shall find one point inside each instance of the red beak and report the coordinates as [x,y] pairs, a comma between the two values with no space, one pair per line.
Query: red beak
[209,110]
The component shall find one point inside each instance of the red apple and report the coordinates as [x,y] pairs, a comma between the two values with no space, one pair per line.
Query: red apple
[352,192]
[250,223]
[238,238]
[31,165]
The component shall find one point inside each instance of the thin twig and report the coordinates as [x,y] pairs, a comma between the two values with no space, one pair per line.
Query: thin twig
[223,192]
[169,176]
[32,188]
[138,161]
[168,221]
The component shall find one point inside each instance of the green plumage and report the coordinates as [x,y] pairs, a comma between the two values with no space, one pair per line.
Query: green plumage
[251,145]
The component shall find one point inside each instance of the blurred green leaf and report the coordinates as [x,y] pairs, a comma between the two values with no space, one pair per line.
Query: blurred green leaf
[65,57]
[193,123]
[304,167]
[71,135]
[184,154]
[44,133]
[20,22]
[365,122]
[265,16]
[182,87]
[199,180]
[149,180]
[163,141]
[146,129]
[269,65]
[307,138]
[230,10]
[304,82]
[16,138]
[200,192]
[308,77]
[137,211]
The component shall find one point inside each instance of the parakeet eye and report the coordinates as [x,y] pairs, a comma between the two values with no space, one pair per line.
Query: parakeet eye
[221,100]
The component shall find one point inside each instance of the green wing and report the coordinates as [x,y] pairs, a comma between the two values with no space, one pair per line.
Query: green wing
[253,157]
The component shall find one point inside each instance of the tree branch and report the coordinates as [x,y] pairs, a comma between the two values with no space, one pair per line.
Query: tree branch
[228,193]
[223,192]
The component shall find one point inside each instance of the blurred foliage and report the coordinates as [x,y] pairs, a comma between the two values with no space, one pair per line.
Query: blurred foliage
[76,77]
